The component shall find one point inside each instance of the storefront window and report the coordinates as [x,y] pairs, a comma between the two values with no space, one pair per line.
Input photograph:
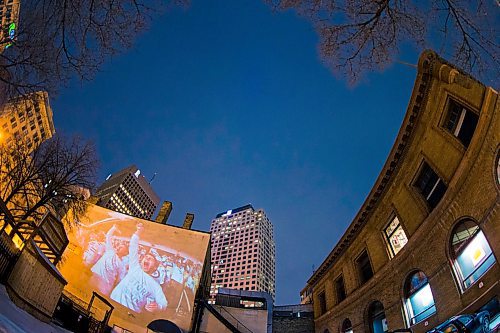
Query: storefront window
[472,255]
[346,326]
[419,300]
[395,236]
[376,317]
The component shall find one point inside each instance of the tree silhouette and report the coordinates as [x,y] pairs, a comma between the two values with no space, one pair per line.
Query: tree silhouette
[358,36]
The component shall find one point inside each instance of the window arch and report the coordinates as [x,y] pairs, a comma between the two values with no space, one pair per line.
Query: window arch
[346,326]
[470,252]
[418,297]
[376,318]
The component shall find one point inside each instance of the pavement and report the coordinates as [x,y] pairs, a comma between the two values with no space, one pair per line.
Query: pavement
[16,320]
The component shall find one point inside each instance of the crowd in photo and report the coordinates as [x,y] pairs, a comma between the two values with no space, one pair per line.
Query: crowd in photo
[138,275]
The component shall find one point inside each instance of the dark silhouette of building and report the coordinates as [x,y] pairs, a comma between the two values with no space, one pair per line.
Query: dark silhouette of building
[128,192]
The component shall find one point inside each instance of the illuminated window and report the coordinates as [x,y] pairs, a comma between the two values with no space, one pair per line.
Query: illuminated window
[461,122]
[376,318]
[418,298]
[430,186]
[395,236]
[471,253]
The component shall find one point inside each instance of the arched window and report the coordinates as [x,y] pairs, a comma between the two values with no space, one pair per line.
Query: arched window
[470,252]
[418,298]
[376,318]
[346,326]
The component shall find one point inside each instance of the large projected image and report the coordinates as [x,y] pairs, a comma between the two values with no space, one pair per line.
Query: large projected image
[147,270]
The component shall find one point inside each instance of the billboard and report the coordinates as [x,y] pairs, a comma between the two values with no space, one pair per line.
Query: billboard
[146,270]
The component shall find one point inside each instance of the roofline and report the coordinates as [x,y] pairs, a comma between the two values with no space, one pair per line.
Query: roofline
[430,66]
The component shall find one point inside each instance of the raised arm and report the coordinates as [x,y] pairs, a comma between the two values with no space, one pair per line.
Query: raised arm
[133,249]
[109,238]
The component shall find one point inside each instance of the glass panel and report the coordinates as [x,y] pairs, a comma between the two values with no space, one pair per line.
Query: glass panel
[398,240]
[475,259]
[392,226]
[421,304]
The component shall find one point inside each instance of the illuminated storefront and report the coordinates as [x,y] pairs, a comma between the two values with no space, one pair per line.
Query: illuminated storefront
[419,300]
[472,255]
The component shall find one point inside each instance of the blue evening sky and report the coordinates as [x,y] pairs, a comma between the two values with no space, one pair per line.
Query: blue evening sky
[230,104]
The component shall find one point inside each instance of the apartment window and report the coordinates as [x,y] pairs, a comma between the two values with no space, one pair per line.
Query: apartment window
[430,186]
[418,298]
[461,122]
[340,289]
[471,253]
[395,236]
[322,302]
[364,267]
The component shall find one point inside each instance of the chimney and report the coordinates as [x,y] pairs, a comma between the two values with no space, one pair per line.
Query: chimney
[188,221]
[165,210]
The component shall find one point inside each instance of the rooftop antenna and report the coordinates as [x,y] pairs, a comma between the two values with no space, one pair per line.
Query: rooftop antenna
[313,268]
[152,178]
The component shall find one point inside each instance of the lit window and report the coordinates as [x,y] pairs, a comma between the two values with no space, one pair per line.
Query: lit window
[395,236]
[419,300]
[471,253]
[461,122]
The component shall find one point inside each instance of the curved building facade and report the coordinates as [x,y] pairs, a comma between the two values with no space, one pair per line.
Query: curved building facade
[425,244]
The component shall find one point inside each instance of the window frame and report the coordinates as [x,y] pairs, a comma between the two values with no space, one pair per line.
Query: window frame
[450,100]
[408,294]
[322,302]
[357,261]
[455,254]
[339,278]
[387,237]
[414,184]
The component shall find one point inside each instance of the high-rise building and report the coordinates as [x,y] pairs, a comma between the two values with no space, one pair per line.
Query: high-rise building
[28,117]
[243,251]
[9,14]
[128,192]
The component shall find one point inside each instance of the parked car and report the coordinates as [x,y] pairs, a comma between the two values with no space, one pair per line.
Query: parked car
[473,323]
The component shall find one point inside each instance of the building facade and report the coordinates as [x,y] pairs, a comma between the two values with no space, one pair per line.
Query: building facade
[28,118]
[243,251]
[128,192]
[425,244]
[9,14]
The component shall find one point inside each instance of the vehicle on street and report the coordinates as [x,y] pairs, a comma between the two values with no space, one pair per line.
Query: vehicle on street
[466,323]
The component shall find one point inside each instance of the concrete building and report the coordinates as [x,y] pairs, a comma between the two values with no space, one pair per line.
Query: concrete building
[28,117]
[425,243]
[243,251]
[128,192]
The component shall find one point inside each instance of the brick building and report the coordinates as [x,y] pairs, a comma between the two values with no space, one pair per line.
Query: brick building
[425,244]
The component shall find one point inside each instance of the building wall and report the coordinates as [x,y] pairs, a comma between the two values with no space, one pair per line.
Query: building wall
[293,325]
[29,118]
[252,319]
[472,191]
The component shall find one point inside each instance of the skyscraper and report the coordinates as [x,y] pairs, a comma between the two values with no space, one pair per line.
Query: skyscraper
[128,192]
[28,117]
[9,14]
[243,251]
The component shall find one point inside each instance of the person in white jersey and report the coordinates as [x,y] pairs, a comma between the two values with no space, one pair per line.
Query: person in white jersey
[111,267]
[138,290]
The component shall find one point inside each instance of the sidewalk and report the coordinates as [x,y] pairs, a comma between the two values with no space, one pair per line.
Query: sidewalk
[16,320]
